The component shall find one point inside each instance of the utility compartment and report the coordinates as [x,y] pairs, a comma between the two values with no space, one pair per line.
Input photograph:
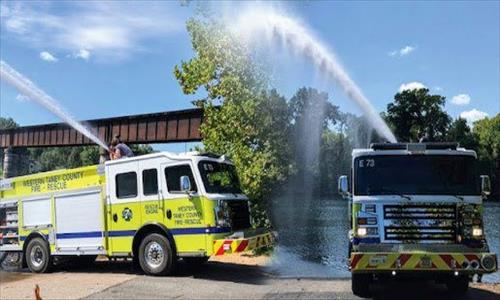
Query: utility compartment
[79,223]
[9,227]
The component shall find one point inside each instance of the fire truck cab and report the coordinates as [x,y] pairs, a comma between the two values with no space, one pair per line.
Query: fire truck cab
[417,212]
[154,208]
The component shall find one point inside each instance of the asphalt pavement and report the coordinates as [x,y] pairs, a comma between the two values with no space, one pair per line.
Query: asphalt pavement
[214,280]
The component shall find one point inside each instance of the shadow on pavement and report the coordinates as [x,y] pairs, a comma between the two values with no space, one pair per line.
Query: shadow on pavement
[215,271]
[427,291]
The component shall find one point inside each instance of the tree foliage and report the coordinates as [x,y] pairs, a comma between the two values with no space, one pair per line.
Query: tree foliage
[461,133]
[488,133]
[416,113]
[244,125]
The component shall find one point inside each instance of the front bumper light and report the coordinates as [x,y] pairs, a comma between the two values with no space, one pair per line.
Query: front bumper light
[364,231]
[361,231]
[477,232]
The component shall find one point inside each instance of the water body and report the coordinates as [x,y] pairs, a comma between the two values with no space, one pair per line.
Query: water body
[319,248]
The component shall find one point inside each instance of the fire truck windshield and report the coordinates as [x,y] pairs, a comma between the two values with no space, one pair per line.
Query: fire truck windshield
[219,177]
[416,175]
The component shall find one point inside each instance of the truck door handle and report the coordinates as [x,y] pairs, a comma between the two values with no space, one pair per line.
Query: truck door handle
[169,214]
[115,218]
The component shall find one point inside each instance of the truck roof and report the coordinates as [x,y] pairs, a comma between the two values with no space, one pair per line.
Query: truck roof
[413,149]
[192,156]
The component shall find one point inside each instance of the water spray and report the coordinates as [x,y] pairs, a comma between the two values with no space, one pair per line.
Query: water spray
[256,23]
[30,90]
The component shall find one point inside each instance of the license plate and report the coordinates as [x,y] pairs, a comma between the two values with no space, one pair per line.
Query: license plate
[378,260]
[426,262]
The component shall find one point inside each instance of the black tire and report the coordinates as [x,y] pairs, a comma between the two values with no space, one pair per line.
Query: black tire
[361,285]
[38,256]
[10,261]
[156,256]
[195,261]
[458,286]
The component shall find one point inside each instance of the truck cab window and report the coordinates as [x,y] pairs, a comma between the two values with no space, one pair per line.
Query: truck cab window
[126,185]
[150,182]
[173,175]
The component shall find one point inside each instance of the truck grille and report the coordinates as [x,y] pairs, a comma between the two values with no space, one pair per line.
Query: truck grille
[420,222]
[239,213]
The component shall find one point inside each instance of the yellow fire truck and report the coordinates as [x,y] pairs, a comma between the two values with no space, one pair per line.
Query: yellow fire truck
[416,212]
[155,208]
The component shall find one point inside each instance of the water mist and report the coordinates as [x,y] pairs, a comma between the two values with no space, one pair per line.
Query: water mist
[254,24]
[296,215]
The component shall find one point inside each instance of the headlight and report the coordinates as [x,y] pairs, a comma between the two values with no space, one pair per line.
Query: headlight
[222,218]
[477,232]
[362,231]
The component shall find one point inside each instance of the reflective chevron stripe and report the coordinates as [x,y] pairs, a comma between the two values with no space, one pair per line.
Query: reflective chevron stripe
[414,261]
[228,246]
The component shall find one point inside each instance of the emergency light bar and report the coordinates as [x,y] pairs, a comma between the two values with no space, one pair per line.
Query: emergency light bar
[414,146]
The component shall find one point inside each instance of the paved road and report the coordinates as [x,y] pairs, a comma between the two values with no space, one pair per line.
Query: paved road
[228,281]
[214,280]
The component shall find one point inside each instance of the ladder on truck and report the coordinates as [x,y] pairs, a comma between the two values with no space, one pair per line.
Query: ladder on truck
[10,250]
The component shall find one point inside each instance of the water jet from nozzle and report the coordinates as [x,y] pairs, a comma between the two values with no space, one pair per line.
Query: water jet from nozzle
[30,90]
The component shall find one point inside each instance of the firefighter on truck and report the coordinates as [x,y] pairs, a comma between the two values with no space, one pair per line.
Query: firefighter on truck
[416,212]
[155,208]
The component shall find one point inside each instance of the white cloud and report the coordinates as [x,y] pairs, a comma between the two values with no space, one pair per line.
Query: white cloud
[461,99]
[410,86]
[406,50]
[22,98]
[108,30]
[473,115]
[83,54]
[438,89]
[44,55]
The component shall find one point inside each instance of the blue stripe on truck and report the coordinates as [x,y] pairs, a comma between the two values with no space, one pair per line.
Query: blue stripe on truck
[123,233]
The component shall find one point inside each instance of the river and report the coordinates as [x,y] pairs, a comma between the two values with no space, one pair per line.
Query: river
[313,238]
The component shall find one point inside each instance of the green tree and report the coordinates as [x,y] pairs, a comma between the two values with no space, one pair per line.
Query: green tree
[7,123]
[312,115]
[335,157]
[460,132]
[488,133]
[251,123]
[416,113]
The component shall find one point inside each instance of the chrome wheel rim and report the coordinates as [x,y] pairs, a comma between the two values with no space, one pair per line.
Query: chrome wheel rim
[154,254]
[36,256]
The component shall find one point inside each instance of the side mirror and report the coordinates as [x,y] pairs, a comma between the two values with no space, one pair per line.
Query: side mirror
[343,186]
[485,185]
[185,184]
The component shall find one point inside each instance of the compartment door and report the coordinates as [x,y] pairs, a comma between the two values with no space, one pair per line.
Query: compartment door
[80,223]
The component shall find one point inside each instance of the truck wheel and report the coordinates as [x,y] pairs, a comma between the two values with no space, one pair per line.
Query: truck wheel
[361,285]
[458,286]
[156,256]
[38,256]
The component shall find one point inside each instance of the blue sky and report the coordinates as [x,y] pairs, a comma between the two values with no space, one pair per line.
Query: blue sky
[102,59]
